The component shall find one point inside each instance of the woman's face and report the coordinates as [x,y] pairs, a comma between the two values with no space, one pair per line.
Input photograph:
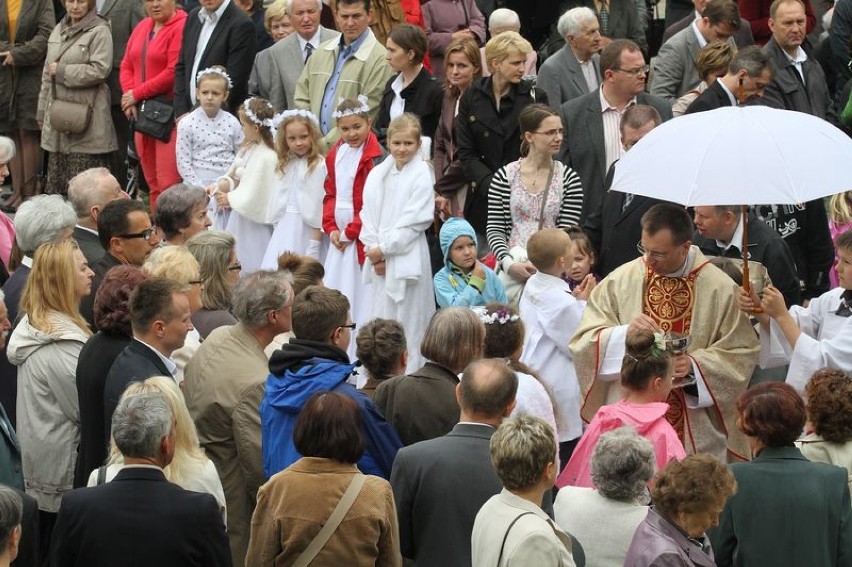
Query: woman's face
[398,58]
[279,28]
[76,9]
[459,70]
[234,268]
[547,138]
[511,69]
[198,221]
[696,523]
[161,11]
[82,275]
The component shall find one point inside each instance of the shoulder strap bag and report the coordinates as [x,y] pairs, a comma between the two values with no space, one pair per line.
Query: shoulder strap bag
[64,116]
[156,115]
[332,523]
[506,536]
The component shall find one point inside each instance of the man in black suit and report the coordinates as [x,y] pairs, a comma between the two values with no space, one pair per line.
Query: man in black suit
[748,76]
[140,518]
[614,228]
[216,33]
[592,141]
[159,316]
[89,192]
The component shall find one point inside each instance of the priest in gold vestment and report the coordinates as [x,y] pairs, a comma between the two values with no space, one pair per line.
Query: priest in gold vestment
[672,288]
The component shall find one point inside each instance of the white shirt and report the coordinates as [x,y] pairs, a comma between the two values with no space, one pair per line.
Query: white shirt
[736,239]
[588,69]
[303,43]
[87,229]
[797,61]
[701,41]
[170,364]
[397,106]
[208,24]
[611,117]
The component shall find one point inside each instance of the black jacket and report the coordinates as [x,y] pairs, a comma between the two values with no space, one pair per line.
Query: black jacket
[87,304]
[89,244]
[13,289]
[711,99]
[423,97]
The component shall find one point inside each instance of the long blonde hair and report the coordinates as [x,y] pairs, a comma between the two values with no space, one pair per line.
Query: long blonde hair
[50,287]
[315,156]
[189,456]
[840,208]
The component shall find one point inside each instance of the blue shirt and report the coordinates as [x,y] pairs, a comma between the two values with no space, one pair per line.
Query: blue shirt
[328,103]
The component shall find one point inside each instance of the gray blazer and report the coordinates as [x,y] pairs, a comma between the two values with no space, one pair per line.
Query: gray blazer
[742,37]
[561,78]
[276,70]
[674,70]
[787,92]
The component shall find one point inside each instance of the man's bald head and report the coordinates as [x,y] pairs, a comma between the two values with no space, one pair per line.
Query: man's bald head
[89,191]
[487,390]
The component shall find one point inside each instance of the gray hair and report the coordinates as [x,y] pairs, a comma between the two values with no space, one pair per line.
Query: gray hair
[11,512]
[289,13]
[622,464]
[212,249]
[175,205]
[140,423]
[504,18]
[752,59]
[571,22]
[42,219]
[83,190]
[259,293]
[521,449]
[7,149]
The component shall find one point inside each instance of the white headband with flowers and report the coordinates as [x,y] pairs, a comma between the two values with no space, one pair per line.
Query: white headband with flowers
[501,315]
[266,122]
[280,118]
[363,109]
[214,71]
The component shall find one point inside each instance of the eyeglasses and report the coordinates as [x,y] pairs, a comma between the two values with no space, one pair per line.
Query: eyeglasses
[195,282]
[235,268]
[145,234]
[639,70]
[652,255]
[349,326]
[552,133]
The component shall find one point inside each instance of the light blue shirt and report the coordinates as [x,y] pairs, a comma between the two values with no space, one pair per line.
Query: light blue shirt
[328,101]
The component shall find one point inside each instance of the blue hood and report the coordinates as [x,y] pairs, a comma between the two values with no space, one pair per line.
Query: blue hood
[290,392]
[450,231]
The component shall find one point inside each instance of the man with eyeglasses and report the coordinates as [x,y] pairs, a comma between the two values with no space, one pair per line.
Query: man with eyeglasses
[127,235]
[592,139]
[672,288]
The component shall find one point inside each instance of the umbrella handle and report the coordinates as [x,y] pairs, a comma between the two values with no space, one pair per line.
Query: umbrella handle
[746,280]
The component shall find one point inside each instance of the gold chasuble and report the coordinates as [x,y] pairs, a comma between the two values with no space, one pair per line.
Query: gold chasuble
[724,347]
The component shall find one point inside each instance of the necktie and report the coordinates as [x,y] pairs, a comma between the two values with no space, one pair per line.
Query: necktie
[309,50]
[845,309]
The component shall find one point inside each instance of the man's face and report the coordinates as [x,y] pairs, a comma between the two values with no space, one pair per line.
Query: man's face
[753,86]
[108,191]
[629,78]
[661,253]
[716,32]
[711,223]
[630,135]
[175,329]
[211,5]
[305,18]
[133,248]
[352,20]
[788,25]
[588,41]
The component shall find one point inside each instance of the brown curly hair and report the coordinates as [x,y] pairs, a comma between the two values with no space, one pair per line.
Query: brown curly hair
[112,302]
[692,486]
[829,404]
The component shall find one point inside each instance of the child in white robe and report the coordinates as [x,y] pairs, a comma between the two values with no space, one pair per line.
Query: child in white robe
[398,208]
[296,207]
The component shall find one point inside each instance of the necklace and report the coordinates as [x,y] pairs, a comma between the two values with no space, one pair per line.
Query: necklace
[532,177]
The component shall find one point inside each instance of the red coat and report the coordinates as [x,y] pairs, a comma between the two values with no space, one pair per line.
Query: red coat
[373,153]
[160,58]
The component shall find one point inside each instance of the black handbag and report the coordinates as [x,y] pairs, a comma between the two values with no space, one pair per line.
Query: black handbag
[156,116]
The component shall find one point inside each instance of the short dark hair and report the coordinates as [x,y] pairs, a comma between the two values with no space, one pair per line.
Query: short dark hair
[722,12]
[174,207]
[637,116]
[317,312]
[330,426]
[487,387]
[112,302]
[366,3]
[113,221]
[752,59]
[153,300]
[410,38]
[611,54]
[668,216]
[772,412]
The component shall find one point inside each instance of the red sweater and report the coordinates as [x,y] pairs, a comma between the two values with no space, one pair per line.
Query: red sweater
[160,58]
[372,154]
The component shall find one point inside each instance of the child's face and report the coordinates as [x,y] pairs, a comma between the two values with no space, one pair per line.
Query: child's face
[251,131]
[403,146]
[211,94]
[844,268]
[298,138]
[354,130]
[581,263]
[463,253]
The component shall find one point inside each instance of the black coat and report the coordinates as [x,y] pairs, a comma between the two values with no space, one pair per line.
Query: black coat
[94,363]
[423,97]
[712,98]
[87,304]
[12,289]
[139,519]
[89,244]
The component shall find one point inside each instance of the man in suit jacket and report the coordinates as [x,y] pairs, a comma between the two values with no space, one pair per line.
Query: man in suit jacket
[742,36]
[277,69]
[159,316]
[674,68]
[575,69]
[439,485]
[615,227]
[748,75]
[216,33]
[89,192]
[592,141]
[622,21]
[140,518]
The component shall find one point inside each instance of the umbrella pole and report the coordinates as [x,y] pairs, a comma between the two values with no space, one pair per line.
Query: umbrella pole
[746,280]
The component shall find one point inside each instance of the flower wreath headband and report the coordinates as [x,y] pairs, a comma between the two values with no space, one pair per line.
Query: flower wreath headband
[363,109]
[214,71]
[279,119]
[266,122]
[501,316]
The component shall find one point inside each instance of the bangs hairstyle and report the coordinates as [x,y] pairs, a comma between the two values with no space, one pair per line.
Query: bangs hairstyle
[530,120]
[317,312]
[470,51]
[546,246]
[840,207]
[263,111]
[406,122]
[772,412]
[453,338]
[501,46]
[304,271]
[715,56]
[213,76]
[829,404]
[379,346]
[640,364]
[276,11]
[51,287]
[315,154]
[581,240]
[330,426]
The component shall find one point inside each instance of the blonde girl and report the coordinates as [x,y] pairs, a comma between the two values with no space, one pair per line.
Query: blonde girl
[296,207]
[839,221]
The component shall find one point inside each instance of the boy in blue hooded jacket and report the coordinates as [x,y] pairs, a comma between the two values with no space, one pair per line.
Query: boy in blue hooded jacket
[464,281]
[316,361]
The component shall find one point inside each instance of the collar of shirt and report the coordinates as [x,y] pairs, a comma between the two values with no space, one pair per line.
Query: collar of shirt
[605,105]
[687,265]
[315,41]
[800,58]
[731,96]
[204,15]
[701,41]
[476,423]
[347,51]
[87,229]
[736,239]
[170,364]
[27,261]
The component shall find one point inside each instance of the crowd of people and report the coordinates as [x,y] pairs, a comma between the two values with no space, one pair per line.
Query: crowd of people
[286,283]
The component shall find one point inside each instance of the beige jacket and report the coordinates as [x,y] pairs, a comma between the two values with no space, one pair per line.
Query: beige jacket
[817,449]
[81,76]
